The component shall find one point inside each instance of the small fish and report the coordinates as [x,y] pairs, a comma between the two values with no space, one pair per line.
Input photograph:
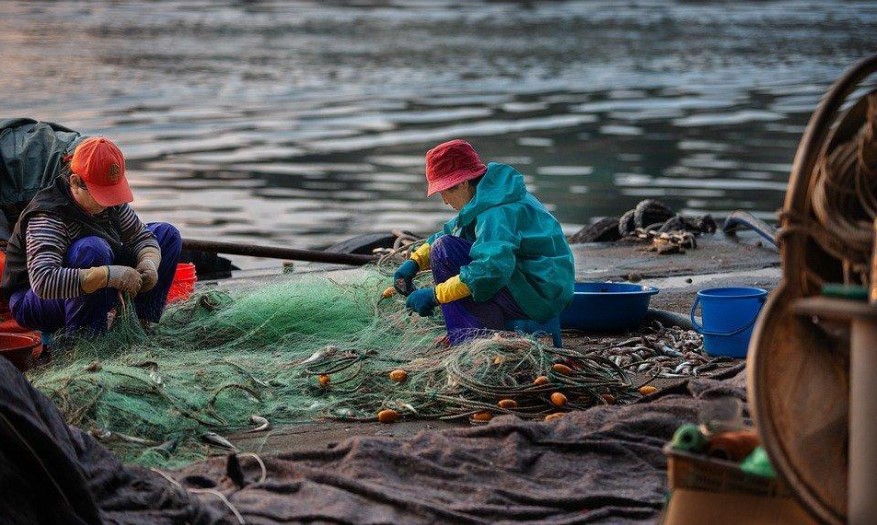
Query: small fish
[260,422]
[345,413]
[670,352]
[102,434]
[213,438]
[319,354]
[403,287]
[165,449]
[409,407]
[156,378]
[681,366]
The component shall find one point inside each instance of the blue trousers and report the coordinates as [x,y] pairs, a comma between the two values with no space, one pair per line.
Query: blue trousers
[466,317]
[88,313]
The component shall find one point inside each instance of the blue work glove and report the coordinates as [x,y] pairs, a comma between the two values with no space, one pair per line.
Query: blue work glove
[403,279]
[422,301]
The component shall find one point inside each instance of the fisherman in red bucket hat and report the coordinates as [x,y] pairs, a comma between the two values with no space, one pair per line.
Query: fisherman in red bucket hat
[502,258]
[79,243]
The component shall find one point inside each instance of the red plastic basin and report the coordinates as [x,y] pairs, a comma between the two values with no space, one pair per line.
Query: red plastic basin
[19,349]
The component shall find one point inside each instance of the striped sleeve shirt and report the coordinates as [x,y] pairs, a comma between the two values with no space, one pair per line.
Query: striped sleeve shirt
[49,236]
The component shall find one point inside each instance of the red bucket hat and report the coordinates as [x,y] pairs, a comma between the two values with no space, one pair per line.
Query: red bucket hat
[451,163]
[101,165]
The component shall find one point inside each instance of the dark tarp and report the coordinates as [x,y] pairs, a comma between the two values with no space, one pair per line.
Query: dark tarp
[51,473]
[603,465]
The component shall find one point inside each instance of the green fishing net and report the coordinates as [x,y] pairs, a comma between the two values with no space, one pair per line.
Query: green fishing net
[298,348]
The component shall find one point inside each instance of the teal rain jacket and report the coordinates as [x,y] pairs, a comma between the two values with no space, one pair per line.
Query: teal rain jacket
[516,243]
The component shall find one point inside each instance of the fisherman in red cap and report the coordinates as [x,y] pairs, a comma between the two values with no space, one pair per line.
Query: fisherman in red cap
[503,258]
[79,243]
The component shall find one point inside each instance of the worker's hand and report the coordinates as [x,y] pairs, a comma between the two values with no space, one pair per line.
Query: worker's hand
[422,301]
[148,270]
[147,266]
[124,278]
[403,279]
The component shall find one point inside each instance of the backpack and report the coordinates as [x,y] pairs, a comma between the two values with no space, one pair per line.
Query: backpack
[31,156]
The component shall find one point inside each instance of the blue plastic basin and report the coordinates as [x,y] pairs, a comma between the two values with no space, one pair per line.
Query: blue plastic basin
[607,307]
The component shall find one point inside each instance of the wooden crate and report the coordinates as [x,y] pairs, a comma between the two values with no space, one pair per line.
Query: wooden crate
[701,472]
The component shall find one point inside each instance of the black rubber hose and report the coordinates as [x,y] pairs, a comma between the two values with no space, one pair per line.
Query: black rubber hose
[668,318]
[740,218]
[276,252]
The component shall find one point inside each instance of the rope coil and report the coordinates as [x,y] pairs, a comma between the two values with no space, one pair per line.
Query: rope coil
[843,201]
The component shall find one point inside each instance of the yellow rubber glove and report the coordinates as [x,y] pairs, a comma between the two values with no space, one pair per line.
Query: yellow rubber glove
[421,256]
[451,290]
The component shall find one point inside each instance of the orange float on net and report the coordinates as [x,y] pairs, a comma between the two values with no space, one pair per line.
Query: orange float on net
[398,375]
[558,399]
[647,390]
[482,416]
[388,415]
[561,369]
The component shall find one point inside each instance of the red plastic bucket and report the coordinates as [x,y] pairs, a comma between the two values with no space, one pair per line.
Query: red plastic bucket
[19,349]
[8,324]
[183,284]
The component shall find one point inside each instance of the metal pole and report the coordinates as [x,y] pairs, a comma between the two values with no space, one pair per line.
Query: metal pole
[862,505]
[275,252]
[862,476]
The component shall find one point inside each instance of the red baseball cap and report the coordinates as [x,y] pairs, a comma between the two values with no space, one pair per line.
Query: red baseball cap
[451,163]
[101,165]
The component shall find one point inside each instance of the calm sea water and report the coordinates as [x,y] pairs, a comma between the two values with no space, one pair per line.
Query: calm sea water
[304,123]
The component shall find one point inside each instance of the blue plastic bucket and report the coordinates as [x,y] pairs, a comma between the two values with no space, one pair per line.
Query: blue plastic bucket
[607,307]
[729,315]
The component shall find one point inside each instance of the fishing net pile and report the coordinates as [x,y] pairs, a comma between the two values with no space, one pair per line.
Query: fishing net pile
[306,347]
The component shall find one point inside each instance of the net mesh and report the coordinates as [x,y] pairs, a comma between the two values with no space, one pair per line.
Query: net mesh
[295,349]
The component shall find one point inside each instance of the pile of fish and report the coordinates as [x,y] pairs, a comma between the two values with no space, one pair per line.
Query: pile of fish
[669,352]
